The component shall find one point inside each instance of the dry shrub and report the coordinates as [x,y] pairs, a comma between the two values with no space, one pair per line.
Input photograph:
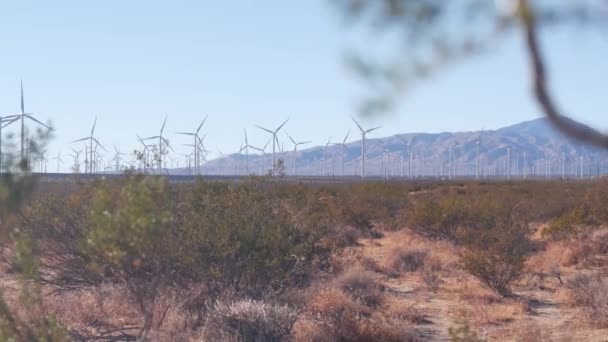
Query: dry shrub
[430,273]
[102,306]
[362,286]
[529,333]
[345,236]
[430,277]
[577,253]
[590,294]
[497,272]
[600,244]
[375,234]
[334,303]
[404,311]
[407,259]
[108,310]
[369,264]
[379,328]
[355,328]
[309,330]
[472,292]
[335,316]
[250,320]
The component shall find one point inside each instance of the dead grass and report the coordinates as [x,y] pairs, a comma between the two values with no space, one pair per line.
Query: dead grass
[407,259]
[362,286]
[589,293]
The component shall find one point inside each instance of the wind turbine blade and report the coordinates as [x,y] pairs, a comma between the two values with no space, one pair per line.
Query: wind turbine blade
[79,140]
[373,129]
[346,137]
[94,123]
[290,138]
[283,124]
[10,122]
[276,140]
[22,100]
[185,133]
[246,142]
[163,126]
[266,129]
[38,121]
[220,152]
[304,142]
[360,128]
[167,142]
[154,137]
[100,145]
[202,123]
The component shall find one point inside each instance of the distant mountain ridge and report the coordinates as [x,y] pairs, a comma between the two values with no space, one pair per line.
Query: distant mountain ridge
[531,147]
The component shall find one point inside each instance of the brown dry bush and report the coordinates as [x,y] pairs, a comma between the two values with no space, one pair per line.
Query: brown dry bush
[407,259]
[600,244]
[250,320]
[336,317]
[430,277]
[590,294]
[497,254]
[362,286]
[369,264]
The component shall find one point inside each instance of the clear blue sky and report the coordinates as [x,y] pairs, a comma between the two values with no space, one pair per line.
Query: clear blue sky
[252,62]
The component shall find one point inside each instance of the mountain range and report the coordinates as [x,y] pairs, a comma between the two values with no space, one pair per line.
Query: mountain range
[530,147]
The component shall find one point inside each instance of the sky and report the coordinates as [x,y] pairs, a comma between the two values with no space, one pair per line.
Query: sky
[246,63]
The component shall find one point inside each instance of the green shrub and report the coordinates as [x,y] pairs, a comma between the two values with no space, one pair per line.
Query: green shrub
[438,216]
[571,224]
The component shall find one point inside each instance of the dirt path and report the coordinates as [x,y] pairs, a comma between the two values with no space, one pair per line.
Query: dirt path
[437,308]
[461,297]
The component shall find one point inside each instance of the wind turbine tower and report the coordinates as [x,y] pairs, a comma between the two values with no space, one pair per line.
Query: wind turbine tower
[91,139]
[363,134]
[275,141]
[23,116]
[295,152]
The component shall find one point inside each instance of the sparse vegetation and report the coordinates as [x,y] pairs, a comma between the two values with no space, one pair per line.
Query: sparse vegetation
[407,259]
[223,261]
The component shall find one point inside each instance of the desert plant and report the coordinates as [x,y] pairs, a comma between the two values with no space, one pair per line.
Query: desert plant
[590,294]
[430,277]
[407,259]
[496,271]
[362,286]
[250,320]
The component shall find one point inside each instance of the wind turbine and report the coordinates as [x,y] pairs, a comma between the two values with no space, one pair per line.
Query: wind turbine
[275,140]
[408,154]
[145,154]
[342,147]
[246,148]
[91,139]
[76,157]
[43,161]
[477,143]
[162,141]
[263,150]
[295,151]
[325,169]
[195,145]
[363,134]
[5,121]
[117,158]
[59,160]
[24,116]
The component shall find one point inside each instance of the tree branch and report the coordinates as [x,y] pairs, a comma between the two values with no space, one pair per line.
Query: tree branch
[563,123]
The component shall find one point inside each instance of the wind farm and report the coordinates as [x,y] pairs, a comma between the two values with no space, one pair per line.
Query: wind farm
[296,171]
[486,154]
